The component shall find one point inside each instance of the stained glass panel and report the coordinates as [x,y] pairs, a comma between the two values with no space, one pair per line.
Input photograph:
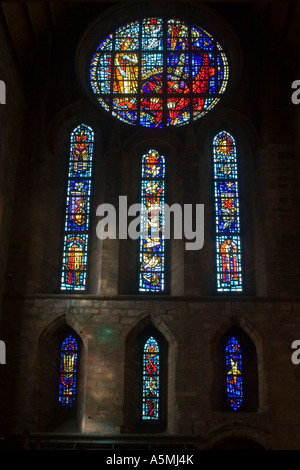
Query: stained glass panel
[152,244]
[177,36]
[75,248]
[152,34]
[227,214]
[144,59]
[68,372]
[234,386]
[151,380]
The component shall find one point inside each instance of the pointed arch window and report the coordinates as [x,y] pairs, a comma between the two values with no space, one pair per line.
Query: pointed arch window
[77,210]
[227,214]
[234,374]
[151,383]
[152,243]
[68,372]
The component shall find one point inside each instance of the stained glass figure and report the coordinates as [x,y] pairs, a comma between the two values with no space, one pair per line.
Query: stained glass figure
[75,248]
[139,62]
[151,380]
[68,372]
[227,221]
[234,376]
[152,243]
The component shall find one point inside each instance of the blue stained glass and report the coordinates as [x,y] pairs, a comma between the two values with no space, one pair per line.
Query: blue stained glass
[234,377]
[77,212]
[81,152]
[227,206]
[228,264]
[151,64]
[152,34]
[220,74]
[151,366]
[177,37]
[68,372]
[74,269]
[78,205]
[227,213]
[102,73]
[152,243]
[225,163]
[152,57]
[106,44]
[153,168]
[127,37]
[201,40]
[119,107]
[105,103]
[152,115]
[178,73]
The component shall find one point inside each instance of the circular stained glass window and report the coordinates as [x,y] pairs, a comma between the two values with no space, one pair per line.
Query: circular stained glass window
[157,73]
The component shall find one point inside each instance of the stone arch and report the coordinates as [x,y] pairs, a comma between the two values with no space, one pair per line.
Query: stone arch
[252,345]
[48,414]
[65,319]
[239,438]
[148,324]
[243,323]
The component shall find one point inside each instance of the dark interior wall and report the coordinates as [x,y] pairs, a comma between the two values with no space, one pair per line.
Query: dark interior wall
[11,123]
[33,162]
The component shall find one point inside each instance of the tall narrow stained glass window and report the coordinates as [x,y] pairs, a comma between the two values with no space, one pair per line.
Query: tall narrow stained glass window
[76,228]
[68,372]
[151,366]
[152,243]
[234,377]
[158,72]
[228,243]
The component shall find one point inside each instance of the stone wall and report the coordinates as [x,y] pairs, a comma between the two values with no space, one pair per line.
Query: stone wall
[192,329]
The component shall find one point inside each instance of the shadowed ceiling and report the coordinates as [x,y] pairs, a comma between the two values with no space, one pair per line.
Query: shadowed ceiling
[29,24]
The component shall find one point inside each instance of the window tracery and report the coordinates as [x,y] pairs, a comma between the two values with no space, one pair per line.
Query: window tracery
[158,72]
